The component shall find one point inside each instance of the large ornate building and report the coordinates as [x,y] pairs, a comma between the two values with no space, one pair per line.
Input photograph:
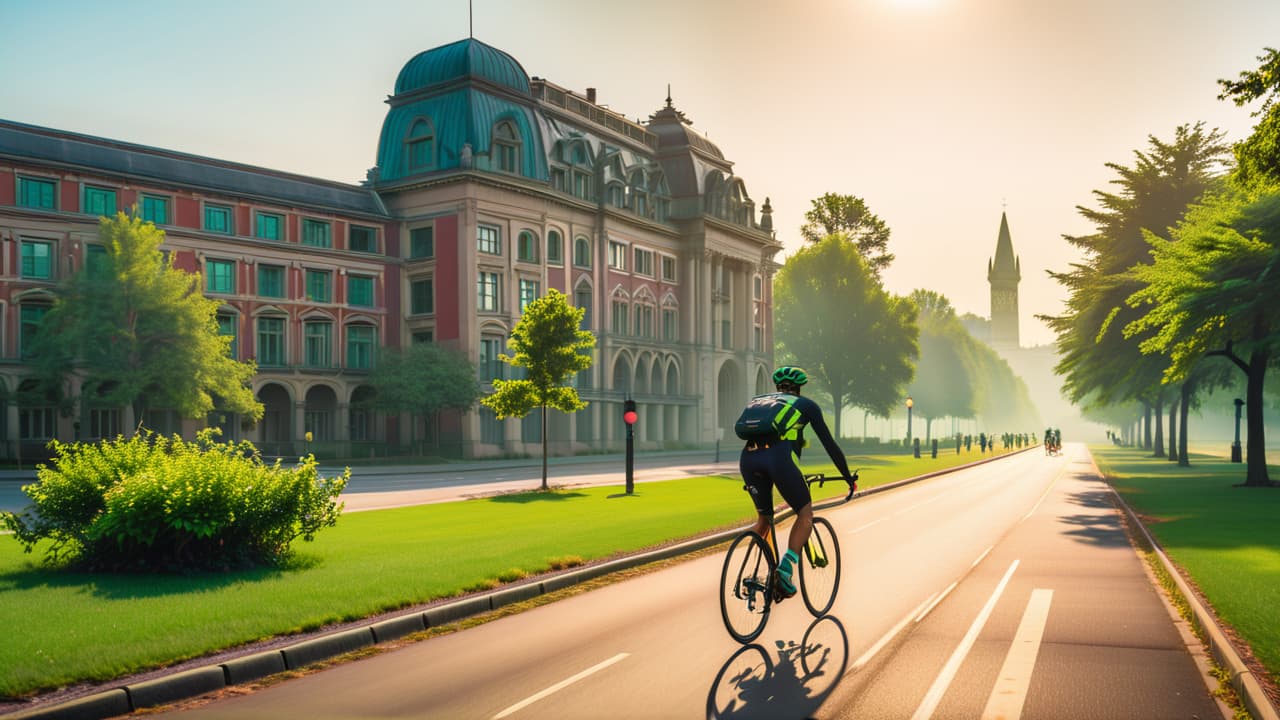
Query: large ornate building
[490,188]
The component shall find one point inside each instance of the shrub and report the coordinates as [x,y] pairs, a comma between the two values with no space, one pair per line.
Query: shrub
[155,503]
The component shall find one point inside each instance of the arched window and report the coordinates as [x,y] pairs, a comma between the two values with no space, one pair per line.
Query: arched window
[420,146]
[582,299]
[639,195]
[582,252]
[527,247]
[506,147]
[555,248]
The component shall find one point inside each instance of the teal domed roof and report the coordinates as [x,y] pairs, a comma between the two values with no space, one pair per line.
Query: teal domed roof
[462,59]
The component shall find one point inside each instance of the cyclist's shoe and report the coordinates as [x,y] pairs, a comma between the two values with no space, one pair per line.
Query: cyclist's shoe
[783,588]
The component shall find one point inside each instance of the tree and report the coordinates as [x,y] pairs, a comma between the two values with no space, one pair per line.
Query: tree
[1258,156]
[1212,292]
[944,384]
[832,214]
[424,379]
[549,344]
[838,322]
[1096,360]
[138,332]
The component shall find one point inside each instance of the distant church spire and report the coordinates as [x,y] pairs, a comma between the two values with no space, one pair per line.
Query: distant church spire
[1004,272]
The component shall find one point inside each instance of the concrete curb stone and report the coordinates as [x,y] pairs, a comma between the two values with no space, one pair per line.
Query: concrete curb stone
[322,648]
[398,627]
[254,667]
[177,687]
[92,707]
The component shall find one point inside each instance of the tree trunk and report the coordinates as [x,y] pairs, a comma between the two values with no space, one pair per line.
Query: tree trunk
[1146,426]
[1256,448]
[1158,448]
[837,399]
[544,447]
[1173,430]
[1184,408]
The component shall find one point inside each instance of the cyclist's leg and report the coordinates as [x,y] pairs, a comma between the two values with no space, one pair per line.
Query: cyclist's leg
[791,485]
[755,480]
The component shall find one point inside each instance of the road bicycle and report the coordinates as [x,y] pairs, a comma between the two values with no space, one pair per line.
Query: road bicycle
[747,577]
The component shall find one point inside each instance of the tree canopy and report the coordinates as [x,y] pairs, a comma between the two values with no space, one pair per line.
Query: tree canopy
[550,345]
[834,214]
[138,332]
[835,319]
[1258,156]
[424,379]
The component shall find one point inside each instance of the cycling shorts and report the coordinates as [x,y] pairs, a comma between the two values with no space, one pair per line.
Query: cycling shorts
[768,465]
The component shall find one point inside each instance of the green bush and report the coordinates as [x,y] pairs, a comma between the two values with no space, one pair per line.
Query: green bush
[155,503]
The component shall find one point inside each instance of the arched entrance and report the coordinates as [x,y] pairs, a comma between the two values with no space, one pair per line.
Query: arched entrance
[731,395]
[275,430]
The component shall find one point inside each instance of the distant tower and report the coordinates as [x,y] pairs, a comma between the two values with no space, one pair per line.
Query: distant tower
[1003,273]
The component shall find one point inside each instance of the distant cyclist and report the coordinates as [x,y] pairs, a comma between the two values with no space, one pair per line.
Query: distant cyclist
[773,459]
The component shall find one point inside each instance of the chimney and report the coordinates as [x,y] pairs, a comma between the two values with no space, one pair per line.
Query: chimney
[591,95]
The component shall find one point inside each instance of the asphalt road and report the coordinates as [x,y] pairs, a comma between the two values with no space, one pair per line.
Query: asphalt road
[1005,590]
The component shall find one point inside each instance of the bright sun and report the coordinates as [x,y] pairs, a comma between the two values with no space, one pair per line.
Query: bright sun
[914,4]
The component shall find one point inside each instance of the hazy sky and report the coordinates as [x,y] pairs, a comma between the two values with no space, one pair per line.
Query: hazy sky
[939,113]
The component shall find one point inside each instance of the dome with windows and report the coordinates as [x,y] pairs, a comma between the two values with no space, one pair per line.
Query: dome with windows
[467,58]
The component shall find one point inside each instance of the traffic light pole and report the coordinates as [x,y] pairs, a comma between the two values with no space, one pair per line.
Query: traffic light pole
[629,417]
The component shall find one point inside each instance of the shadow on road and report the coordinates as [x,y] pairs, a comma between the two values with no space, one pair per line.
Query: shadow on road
[752,685]
[1101,530]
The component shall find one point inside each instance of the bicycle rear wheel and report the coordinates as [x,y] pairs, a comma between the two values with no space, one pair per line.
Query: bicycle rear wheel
[820,568]
[745,583]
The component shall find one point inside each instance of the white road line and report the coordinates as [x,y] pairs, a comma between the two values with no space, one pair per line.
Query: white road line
[934,604]
[1010,692]
[984,554]
[884,640]
[943,681]
[864,527]
[1044,494]
[560,686]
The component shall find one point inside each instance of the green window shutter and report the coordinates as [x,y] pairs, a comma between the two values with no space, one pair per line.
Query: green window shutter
[217,219]
[155,209]
[99,201]
[270,281]
[316,233]
[35,193]
[318,286]
[362,239]
[267,226]
[422,242]
[221,276]
[271,341]
[360,347]
[422,297]
[359,291]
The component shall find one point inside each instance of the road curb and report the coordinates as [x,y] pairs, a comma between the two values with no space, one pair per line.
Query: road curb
[1255,699]
[125,699]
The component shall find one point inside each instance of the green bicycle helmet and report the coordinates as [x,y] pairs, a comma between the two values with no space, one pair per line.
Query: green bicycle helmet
[787,373]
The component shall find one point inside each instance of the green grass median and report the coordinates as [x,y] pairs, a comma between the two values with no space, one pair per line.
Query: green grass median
[1226,538]
[62,627]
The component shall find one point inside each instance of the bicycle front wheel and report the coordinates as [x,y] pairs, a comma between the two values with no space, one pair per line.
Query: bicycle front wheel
[745,587]
[820,568]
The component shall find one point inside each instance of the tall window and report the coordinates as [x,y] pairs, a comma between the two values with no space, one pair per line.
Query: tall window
[31,315]
[555,248]
[582,299]
[506,147]
[220,276]
[487,240]
[490,366]
[37,193]
[422,242]
[271,281]
[621,311]
[271,342]
[360,346]
[420,145]
[527,247]
[319,288]
[217,218]
[317,233]
[37,260]
[644,262]
[317,338]
[155,209]
[487,288]
[360,290]
[268,226]
[668,269]
[362,239]
[757,287]
[670,330]
[616,196]
[617,255]
[422,297]
[582,252]
[644,321]
[99,201]
[528,292]
[95,258]
[227,325]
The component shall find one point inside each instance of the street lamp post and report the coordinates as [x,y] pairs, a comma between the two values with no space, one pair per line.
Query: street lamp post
[910,403]
[1236,455]
[629,417]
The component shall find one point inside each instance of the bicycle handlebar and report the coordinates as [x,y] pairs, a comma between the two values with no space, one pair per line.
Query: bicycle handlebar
[821,479]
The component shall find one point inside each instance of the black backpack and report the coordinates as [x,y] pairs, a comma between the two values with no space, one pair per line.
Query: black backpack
[767,416]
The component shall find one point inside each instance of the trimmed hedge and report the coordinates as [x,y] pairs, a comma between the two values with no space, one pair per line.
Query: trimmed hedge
[149,503]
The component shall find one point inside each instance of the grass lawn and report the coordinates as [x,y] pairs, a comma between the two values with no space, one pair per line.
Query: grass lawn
[63,627]
[1226,538]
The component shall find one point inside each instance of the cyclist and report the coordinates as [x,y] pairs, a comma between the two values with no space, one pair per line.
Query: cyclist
[775,461]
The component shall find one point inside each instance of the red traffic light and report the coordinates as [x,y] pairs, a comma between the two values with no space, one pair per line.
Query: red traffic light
[629,417]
